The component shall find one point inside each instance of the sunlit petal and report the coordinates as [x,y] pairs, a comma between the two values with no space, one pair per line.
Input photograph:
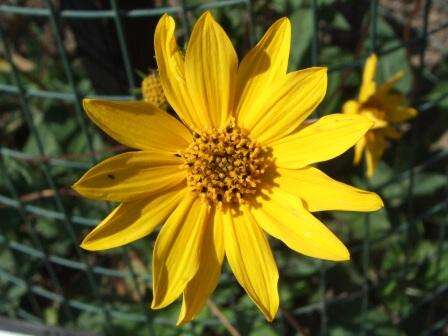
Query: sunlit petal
[177,250]
[261,71]
[319,192]
[137,124]
[132,175]
[251,260]
[284,217]
[206,279]
[210,68]
[323,140]
[290,104]
[131,221]
[171,65]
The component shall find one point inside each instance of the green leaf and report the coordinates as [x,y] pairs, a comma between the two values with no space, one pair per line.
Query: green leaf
[302,33]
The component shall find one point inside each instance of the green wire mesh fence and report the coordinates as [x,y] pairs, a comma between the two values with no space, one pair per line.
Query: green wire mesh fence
[54,53]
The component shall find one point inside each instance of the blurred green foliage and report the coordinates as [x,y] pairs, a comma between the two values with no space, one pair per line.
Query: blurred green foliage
[396,282]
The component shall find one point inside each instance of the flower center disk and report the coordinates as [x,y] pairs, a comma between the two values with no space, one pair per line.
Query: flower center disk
[225,166]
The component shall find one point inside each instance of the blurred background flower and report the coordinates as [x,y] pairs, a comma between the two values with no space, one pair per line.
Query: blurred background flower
[385,108]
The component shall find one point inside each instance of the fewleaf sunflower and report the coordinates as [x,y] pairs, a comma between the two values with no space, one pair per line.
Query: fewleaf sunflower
[382,106]
[235,167]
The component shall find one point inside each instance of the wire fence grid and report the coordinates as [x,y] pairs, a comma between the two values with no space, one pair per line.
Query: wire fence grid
[39,271]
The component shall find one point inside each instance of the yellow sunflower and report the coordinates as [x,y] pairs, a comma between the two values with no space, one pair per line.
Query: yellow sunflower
[382,106]
[235,167]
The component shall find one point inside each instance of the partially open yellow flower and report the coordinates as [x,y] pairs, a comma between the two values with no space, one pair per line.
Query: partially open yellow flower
[152,91]
[385,108]
[237,166]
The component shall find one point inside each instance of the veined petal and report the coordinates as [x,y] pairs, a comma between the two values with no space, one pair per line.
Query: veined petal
[177,250]
[292,102]
[368,86]
[252,262]
[319,192]
[261,71]
[210,68]
[351,107]
[284,217]
[323,140]
[138,124]
[171,65]
[133,220]
[132,175]
[206,279]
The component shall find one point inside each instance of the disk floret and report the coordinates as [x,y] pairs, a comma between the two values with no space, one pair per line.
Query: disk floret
[225,166]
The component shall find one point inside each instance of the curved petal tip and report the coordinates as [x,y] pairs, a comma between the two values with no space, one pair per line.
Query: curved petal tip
[283,24]
[345,256]
[378,202]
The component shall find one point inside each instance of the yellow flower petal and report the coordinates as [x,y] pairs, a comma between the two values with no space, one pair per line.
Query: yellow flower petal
[251,260]
[170,62]
[390,101]
[351,107]
[319,192]
[391,132]
[368,85]
[137,124]
[130,176]
[284,217]
[133,220]
[359,149]
[290,104]
[386,87]
[210,68]
[400,114]
[371,163]
[206,279]
[371,114]
[323,140]
[260,71]
[376,145]
[177,250]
